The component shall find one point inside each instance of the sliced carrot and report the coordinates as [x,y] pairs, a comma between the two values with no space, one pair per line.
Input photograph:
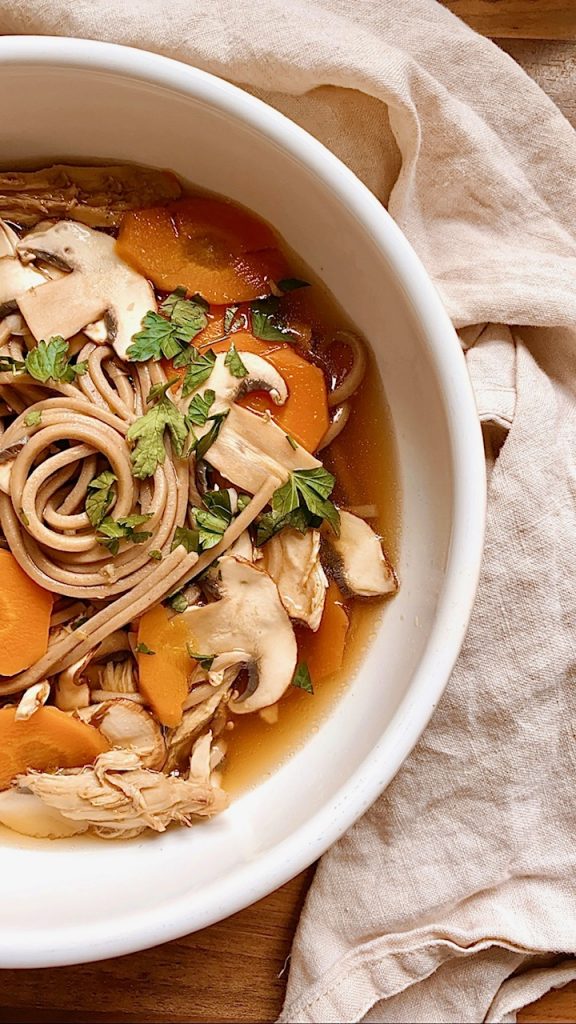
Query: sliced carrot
[25,610]
[305,414]
[208,246]
[164,674]
[50,739]
[323,651]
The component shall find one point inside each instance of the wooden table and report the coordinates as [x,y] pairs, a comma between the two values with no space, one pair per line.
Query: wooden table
[235,971]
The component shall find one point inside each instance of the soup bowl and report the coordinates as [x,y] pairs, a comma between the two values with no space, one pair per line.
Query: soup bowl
[76,900]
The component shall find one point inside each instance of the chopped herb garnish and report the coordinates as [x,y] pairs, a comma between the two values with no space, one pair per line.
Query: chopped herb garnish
[234,363]
[188,538]
[100,497]
[33,418]
[229,317]
[291,284]
[111,531]
[199,408]
[293,444]
[267,322]
[301,503]
[155,554]
[169,332]
[203,444]
[144,649]
[204,660]
[199,367]
[301,678]
[49,361]
[148,433]
[178,603]
[24,517]
[243,501]
[160,390]
[79,622]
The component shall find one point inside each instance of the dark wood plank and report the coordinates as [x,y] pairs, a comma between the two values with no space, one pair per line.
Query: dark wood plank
[519,19]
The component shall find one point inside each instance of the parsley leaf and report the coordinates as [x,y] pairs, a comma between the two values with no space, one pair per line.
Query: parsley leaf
[199,408]
[290,284]
[199,367]
[202,444]
[188,538]
[160,390]
[234,363]
[148,433]
[100,498]
[229,317]
[33,418]
[169,332]
[156,555]
[213,520]
[243,501]
[49,361]
[293,444]
[204,660]
[112,531]
[301,503]
[301,678]
[267,323]
[144,649]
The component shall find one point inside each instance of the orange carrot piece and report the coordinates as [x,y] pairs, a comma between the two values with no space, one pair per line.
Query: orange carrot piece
[208,246]
[25,610]
[323,651]
[50,739]
[305,414]
[164,674]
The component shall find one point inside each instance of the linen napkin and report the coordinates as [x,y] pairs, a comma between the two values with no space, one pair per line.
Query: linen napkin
[454,898]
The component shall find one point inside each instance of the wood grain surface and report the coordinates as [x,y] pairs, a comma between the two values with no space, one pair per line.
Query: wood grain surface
[235,971]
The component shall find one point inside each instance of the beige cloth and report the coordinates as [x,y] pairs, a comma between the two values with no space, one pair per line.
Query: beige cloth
[454,899]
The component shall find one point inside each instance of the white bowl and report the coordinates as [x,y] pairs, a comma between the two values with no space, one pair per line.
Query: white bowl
[74,901]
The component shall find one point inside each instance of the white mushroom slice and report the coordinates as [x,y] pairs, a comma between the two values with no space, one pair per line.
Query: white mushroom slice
[28,815]
[14,277]
[117,797]
[97,332]
[260,376]
[250,622]
[71,692]
[5,474]
[360,563]
[32,699]
[125,724]
[250,450]
[292,559]
[100,284]
[241,548]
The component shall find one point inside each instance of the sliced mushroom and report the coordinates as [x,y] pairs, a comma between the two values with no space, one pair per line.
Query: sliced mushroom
[126,725]
[71,691]
[15,278]
[118,798]
[241,548]
[250,450]
[260,376]
[292,559]
[30,816]
[99,284]
[358,560]
[97,196]
[250,623]
[33,698]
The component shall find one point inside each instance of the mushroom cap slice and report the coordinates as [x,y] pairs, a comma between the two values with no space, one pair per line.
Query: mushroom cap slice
[251,450]
[100,284]
[30,816]
[292,559]
[15,278]
[359,562]
[250,622]
[260,376]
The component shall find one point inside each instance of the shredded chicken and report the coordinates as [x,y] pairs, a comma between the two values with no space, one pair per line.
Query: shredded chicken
[117,798]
